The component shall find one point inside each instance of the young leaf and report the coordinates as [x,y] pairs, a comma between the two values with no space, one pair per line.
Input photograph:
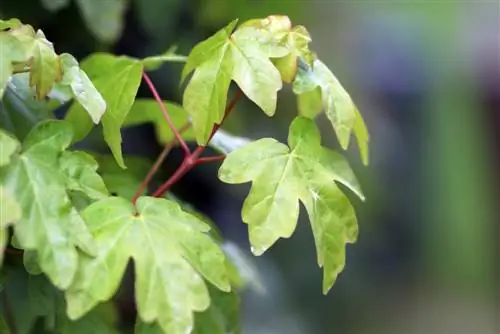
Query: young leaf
[118,87]
[82,89]
[148,111]
[46,68]
[152,63]
[172,254]
[10,213]
[281,177]
[80,172]
[47,224]
[218,60]
[104,19]
[338,105]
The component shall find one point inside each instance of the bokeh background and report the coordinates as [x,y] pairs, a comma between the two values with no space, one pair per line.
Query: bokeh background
[425,74]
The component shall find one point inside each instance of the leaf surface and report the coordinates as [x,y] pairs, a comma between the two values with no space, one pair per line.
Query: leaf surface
[46,68]
[118,87]
[48,223]
[281,176]
[172,254]
[224,57]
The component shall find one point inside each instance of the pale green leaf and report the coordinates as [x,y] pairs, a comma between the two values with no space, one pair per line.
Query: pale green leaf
[8,146]
[310,103]
[152,63]
[362,137]
[282,175]
[148,111]
[225,143]
[46,225]
[105,19]
[46,68]
[30,261]
[118,87]
[55,5]
[11,50]
[218,60]
[172,254]
[82,89]
[9,24]
[80,172]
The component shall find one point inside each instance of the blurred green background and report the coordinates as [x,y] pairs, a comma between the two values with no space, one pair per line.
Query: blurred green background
[426,76]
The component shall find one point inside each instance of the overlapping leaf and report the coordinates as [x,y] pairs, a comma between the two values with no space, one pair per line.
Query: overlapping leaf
[218,60]
[49,224]
[118,83]
[282,176]
[172,255]
[318,88]
[46,67]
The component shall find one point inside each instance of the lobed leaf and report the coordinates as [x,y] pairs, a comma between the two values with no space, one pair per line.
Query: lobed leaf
[118,86]
[49,224]
[282,175]
[172,254]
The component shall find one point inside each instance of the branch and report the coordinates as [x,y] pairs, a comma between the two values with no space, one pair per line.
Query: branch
[204,160]
[165,113]
[192,159]
[154,169]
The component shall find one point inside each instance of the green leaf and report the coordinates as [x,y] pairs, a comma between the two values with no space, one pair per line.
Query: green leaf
[118,87]
[221,317]
[152,63]
[282,176]
[171,251]
[9,24]
[362,137]
[218,60]
[48,225]
[8,147]
[148,111]
[104,19]
[310,103]
[82,89]
[55,5]
[10,213]
[46,68]
[102,320]
[225,143]
[80,172]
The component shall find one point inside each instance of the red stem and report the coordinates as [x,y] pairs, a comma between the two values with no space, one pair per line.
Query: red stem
[203,160]
[193,159]
[176,133]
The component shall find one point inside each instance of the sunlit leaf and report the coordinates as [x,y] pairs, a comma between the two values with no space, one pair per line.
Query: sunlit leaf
[105,19]
[172,254]
[82,89]
[46,225]
[118,87]
[10,213]
[8,146]
[148,111]
[282,175]
[46,68]
[218,60]
[9,24]
[11,50]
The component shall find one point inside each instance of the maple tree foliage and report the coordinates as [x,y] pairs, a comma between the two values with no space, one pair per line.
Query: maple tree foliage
[76,219]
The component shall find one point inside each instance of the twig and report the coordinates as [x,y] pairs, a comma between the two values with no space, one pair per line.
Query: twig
[154,169]
[176,133]
[203,160]
[192,159]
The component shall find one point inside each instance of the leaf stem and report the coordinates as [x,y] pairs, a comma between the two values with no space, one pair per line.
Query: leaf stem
[154,169]
[193,159]
[176,133]
[203,160]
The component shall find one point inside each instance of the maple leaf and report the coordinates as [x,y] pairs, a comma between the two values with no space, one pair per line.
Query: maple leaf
[216,62]
[49,225]
[318,88]
[172,253]
[282,175]
[46,67]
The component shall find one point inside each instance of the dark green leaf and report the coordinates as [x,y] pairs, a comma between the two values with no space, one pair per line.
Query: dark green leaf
[282,176]
[171,251]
